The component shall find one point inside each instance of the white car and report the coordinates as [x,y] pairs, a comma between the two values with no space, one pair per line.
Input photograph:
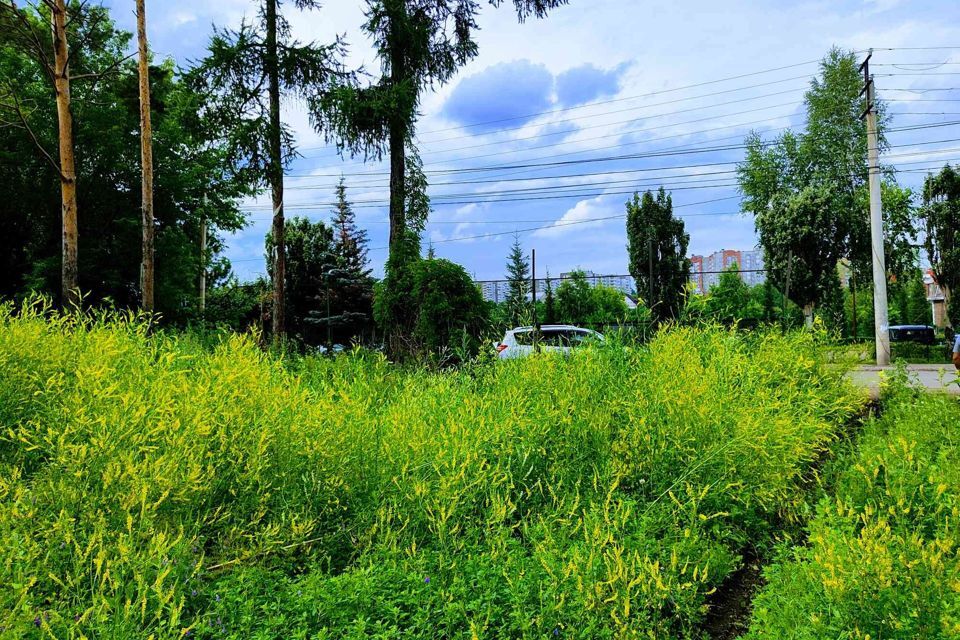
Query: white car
[556,338]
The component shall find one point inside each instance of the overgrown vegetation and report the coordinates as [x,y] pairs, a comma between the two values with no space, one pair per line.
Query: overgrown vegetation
[881,560]
[152,486]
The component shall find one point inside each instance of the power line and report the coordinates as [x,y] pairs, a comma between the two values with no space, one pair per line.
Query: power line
[889,130]
[562,224]
[617,100]
[486,197]
[649,181]
[638,156]
[618,122]
[558,224]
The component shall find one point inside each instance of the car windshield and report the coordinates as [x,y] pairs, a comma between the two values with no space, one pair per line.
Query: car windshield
[556,337]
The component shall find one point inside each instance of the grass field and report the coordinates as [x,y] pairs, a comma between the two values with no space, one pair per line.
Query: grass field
[156,486]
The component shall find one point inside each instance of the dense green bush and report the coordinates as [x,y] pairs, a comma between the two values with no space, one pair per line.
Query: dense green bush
[882,555]
[150,486]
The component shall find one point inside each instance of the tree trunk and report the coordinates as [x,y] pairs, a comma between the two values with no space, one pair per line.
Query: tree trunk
[397,187]
[276,174]
[808,315]
[946,305]
[146,161]
[398,142]
[68,177]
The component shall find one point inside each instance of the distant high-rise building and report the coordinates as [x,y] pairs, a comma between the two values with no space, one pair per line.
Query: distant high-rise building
[622,283]
[705,270]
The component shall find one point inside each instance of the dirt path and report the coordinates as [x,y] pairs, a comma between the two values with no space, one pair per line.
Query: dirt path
[732,604]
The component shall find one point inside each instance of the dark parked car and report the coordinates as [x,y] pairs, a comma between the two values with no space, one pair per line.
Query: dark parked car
[918,333]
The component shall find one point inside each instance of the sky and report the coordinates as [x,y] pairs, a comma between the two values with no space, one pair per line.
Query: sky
[552,127]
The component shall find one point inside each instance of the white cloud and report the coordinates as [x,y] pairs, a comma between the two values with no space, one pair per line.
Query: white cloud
[581,218]
[684,44]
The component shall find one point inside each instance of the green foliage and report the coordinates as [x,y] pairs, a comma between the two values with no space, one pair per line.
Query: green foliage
[808,192]
[431,308]
[940,219]
[518,285]
[346,303]
[549,303]
[579,303]
[575,302]
[150,485]
[234,78]
[238,306]
[881,560]
[450,309]
[310,255]
[729,300]
[189,166]
[657,248]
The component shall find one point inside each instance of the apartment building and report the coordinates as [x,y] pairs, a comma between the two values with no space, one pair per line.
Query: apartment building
[705,270]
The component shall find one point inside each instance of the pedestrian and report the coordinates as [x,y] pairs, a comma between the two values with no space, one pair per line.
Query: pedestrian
[956,351]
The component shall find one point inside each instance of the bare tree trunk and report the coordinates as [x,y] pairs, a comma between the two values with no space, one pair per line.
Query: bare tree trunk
[146,161]
[276,174]
[398,160]
[947,293]
[68,177]
[808,315]
[398,157]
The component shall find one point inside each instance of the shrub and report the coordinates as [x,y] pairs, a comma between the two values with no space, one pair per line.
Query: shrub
[882,555]
[150,486]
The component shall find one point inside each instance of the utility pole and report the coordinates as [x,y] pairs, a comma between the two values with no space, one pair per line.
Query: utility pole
[881,325]
[203,258]
[146,160]
[533,298]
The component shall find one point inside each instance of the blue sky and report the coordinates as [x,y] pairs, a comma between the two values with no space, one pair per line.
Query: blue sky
[523,136]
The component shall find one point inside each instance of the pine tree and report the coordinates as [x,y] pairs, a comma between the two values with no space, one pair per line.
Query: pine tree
[345,306]
[518,283]
[350,242]
[248,73]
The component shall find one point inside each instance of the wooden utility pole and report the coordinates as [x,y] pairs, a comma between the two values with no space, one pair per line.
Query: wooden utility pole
[68,176]
[881,324]
[272,61]
[146,161]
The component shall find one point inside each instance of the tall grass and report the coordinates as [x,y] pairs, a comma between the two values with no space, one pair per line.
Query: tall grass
[151,485]
[882,556]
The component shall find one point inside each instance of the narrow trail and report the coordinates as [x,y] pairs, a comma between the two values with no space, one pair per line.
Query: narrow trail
[732,603]
[731,606]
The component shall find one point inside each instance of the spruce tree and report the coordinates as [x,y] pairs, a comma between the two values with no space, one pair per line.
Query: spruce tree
[344,307]
[350,242]
[518,284]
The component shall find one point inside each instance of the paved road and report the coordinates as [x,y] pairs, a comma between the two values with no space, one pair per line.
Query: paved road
[935,377]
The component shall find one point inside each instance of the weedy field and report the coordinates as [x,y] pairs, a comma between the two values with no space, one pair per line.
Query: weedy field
[155,486]
[882,555]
